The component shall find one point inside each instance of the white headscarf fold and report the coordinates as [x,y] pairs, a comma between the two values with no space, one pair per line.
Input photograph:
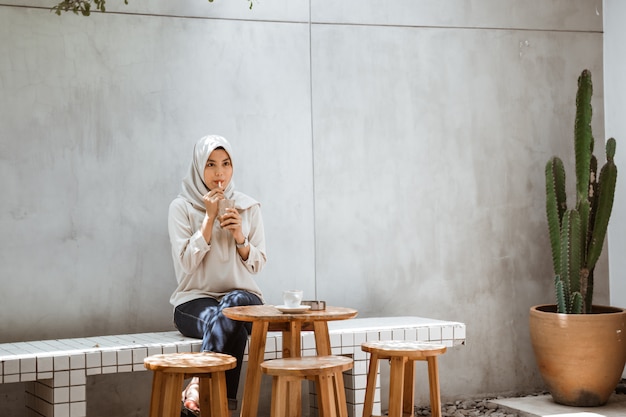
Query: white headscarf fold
[193,183]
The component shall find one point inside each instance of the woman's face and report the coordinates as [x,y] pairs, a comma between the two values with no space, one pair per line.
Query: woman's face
[218,170]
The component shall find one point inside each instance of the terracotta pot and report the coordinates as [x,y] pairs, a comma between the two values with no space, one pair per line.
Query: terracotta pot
[580,356]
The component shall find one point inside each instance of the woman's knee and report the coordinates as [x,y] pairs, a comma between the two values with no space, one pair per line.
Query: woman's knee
[240,298]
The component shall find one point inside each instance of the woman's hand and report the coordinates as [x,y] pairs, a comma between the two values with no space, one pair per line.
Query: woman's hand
[231,221]
[211,201]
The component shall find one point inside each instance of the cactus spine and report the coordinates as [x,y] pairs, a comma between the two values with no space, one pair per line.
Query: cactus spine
[577,234]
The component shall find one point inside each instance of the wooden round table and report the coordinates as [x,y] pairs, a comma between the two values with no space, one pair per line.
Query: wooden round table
[266,318]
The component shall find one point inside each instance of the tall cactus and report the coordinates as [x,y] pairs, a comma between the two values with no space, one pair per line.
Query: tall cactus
[577,234]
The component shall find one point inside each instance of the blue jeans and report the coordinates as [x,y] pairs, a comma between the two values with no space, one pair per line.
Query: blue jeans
[202,318]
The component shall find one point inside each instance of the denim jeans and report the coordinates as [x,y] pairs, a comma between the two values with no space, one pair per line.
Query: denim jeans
[202,318]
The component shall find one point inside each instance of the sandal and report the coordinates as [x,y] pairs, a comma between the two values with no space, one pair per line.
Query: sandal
[186,412]
[190,398]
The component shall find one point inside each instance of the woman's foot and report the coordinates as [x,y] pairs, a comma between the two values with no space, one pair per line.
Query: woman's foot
[190,399]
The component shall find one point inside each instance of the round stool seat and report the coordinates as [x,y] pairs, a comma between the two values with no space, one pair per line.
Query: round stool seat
[308,365]
[190,362]
[411,349]
[171,369]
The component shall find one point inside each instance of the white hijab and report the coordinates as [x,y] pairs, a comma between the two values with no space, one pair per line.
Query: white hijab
[193,183]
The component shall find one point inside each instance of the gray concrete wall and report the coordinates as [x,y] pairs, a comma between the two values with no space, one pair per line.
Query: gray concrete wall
[615,126]
[398,151]
[615,99]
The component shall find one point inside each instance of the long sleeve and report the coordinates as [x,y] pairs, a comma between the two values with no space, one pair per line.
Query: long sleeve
[188,244]
[256,236]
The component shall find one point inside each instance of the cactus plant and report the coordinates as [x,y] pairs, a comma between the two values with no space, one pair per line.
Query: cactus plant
[577,234]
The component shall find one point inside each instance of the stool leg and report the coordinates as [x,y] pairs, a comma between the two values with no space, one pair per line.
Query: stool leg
[396,381]
[219,400]
[370,388]
[294,396]
[279,397]
[156,398]
[326,401]
[204,392]
[170,391]
[433,381]
[409,388]
[341,405]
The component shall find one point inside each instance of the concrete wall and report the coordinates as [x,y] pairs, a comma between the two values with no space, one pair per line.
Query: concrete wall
[398,151]
[615,99]
[615,125]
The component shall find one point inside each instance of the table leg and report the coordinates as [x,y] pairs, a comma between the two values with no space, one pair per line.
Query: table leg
[256,352]
[291,340]
[322,338]
[292,348]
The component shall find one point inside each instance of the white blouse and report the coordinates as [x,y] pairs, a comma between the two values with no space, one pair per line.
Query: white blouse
[213,270]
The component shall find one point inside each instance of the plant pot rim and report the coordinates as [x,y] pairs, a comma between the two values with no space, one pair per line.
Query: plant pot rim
[596,309]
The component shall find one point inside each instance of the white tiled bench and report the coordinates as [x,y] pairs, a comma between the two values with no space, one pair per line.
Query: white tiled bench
[56,371]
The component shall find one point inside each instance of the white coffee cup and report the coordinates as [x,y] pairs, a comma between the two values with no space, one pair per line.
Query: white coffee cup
[292,298]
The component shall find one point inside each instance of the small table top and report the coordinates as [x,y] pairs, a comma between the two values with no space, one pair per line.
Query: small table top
[271,314]
[268,317]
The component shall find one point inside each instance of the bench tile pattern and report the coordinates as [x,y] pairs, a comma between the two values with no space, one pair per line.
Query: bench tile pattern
[57,370]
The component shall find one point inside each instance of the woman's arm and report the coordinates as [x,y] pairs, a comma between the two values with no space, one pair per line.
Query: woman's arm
[188,246]
[257,258]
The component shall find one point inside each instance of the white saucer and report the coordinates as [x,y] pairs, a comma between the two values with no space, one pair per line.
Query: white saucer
[299,309]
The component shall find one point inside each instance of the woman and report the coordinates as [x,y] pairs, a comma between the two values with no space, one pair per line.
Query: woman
[215,259]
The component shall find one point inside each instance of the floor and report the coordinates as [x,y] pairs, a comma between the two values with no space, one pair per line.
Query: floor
[543,406]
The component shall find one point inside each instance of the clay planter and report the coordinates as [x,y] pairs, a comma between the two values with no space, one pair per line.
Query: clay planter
[580,356]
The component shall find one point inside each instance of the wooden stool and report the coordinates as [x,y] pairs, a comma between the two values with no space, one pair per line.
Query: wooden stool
[402,355]
[288,373]
[170,370]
